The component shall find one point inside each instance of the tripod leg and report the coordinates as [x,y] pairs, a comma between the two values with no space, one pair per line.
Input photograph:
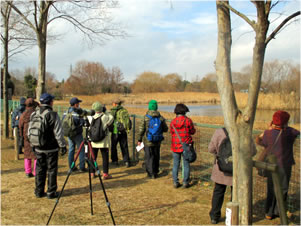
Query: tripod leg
[103,188]
[90,184]
[60,194]
[68,175]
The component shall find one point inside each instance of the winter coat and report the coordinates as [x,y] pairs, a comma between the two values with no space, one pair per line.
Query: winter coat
[283,149]
[16,116]
[53,131]
[218,176]
[143,128]
[107,119]
[23,126]
[185,128]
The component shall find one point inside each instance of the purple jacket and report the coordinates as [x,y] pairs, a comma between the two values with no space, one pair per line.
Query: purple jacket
[283,149]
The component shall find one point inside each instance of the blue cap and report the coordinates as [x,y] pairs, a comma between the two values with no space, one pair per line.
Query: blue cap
[22,100]
[46,98]
[74,100]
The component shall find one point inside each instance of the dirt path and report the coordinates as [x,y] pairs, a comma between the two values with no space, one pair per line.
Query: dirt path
[134,198]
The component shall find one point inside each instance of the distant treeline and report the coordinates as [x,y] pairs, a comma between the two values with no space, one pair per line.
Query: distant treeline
[92,78]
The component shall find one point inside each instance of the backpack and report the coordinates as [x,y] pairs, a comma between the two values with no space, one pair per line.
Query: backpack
[224,155]
[96,131]
[123,120]
[155,133]
[36,128]
[69,128]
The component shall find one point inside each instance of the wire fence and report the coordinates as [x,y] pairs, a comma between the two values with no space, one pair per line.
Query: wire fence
[202,167]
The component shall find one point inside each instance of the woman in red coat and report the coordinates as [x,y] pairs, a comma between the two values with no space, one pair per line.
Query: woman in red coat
[23,127]
[185,129]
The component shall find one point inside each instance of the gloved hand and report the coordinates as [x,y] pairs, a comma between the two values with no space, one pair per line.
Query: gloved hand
[63,151]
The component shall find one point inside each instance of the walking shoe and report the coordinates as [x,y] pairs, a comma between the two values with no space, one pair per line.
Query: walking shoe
[40,195]
[213,221]
[28,175]
[106,176]
[186,185]
[127,164]
[93,175]
[83,170]
[75,169]
[177,185]
[268,217]
[53,195]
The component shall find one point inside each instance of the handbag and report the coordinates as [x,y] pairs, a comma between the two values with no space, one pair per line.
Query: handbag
[189,153]
[264,156]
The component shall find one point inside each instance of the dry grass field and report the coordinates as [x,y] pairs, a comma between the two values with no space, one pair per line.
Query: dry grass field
[134,199]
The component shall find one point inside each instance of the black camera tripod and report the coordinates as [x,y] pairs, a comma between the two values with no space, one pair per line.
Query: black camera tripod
[88,150]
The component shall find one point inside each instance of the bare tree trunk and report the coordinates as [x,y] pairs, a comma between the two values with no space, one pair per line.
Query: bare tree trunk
[5,18]
[42,68]
[236,123]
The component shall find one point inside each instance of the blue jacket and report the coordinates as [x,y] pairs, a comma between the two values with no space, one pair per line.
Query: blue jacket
[16,116]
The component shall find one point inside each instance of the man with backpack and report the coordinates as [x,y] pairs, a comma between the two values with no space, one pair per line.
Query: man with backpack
[73,129]
[15,123]
[121,126]
[220,146]
[152,126]
[45,135]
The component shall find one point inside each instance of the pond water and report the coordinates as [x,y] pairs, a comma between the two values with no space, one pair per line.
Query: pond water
[216,110]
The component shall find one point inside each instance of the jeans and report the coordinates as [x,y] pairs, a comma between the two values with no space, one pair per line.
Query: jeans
[105,159]
[76,141]
[176,165]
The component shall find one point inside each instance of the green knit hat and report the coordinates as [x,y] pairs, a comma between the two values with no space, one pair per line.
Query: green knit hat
[97,107]
[153,105]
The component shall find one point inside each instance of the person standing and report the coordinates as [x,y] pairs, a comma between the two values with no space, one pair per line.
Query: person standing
[47,155]
[23,126]
[104,144]
[278,140]
[121,127]
[153,138]
[77,139]
[221,179]
[185,129]
[15,123]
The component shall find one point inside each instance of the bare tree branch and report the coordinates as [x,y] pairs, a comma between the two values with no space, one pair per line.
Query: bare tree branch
[243,16]
[274,33]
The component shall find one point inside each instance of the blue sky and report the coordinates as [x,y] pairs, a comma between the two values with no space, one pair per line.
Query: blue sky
[167,36]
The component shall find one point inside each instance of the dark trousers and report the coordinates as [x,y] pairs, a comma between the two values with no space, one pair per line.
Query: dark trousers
[47,163]
[217,200]
[152,159]
[122,139]
[271,208]
[105,158]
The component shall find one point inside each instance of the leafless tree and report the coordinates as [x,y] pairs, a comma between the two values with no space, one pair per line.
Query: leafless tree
[239,122]
[91,18]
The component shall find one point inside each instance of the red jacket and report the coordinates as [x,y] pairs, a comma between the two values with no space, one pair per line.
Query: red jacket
[185,128]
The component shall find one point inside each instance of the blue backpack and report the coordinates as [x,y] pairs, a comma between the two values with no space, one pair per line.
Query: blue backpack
[155,133]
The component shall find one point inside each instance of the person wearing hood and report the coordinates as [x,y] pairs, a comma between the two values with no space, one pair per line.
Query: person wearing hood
[31,105]
[153,138]
[185,129]
[15,123]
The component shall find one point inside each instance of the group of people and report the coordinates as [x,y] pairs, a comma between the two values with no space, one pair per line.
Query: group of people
[117,125]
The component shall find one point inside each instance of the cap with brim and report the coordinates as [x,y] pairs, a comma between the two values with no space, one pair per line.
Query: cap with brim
[46,98]
[75,100]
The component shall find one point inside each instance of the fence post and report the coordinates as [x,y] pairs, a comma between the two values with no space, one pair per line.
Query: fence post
[232,214]
[278,191]
[133,131]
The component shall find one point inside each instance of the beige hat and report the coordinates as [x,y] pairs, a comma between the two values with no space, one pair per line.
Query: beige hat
[118,101]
